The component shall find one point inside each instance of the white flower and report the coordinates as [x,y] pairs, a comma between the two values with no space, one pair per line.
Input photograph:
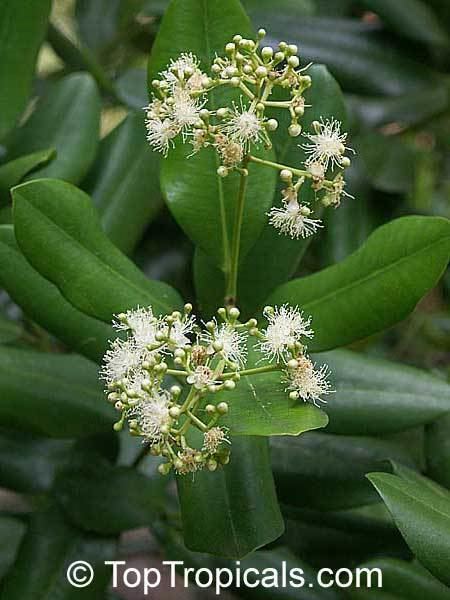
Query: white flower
[152,414]
[121,360]
[286,327]
[232,343]
[328,144]
[213,438]
[243,126]
[160,133]
[185,109]
[142,323]
[185,67]
[307,382]
[292,220]
[202,377]
[189,461]
[179,331]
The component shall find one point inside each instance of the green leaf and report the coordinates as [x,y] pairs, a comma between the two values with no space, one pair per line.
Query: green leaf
[329,470]
[437,448]
[376,286]
[48,548]
[405,581]
[260,406]
[124,183]
[67,118]
[14,171]
[85,495]
[22,29]
[375,396]
[421,511]
[274,258]
[29,463]
[52,394]
[355,53]
[203,203]
[413,19]
[234,510]
[46,306]
[77,256]
[11,533]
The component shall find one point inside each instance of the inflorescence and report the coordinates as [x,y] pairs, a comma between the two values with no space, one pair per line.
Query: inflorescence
[140,369]
[180,109]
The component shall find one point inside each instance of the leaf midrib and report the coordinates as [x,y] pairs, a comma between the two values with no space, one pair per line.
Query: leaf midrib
[371,275]
[95,258]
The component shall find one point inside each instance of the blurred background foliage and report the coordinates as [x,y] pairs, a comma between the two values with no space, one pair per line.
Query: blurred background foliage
[392,61]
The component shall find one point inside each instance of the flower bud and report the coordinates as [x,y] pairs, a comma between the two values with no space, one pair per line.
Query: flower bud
[294,130]
[229,384]
[222,408]
[261,72]
[286,175]
[293,61]
[262,33]
[230,48]
[267,53]
[293,49]
[222,171]
[272,124]
[174,412]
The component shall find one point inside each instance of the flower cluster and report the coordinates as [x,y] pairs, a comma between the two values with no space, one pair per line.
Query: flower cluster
[140,368]
[246,120]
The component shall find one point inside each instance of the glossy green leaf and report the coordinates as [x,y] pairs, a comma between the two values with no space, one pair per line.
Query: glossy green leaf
[48,548]
[437,448]
[14,171]
[22,29]
[52,394]
[46,306]
[327,472]
[11,534]
[355,53]
[203,203]
[375,396]
[259,406]
[405,581]
[274,258]
[236,505]
[412,18]
[132,87]
[86,496]
[376,286]
[421,511]
[77,256]
[124,183]
[67,118]
[29,463]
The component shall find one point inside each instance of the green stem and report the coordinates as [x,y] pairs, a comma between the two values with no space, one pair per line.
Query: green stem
[278,166]
[231,289]
[258,370]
